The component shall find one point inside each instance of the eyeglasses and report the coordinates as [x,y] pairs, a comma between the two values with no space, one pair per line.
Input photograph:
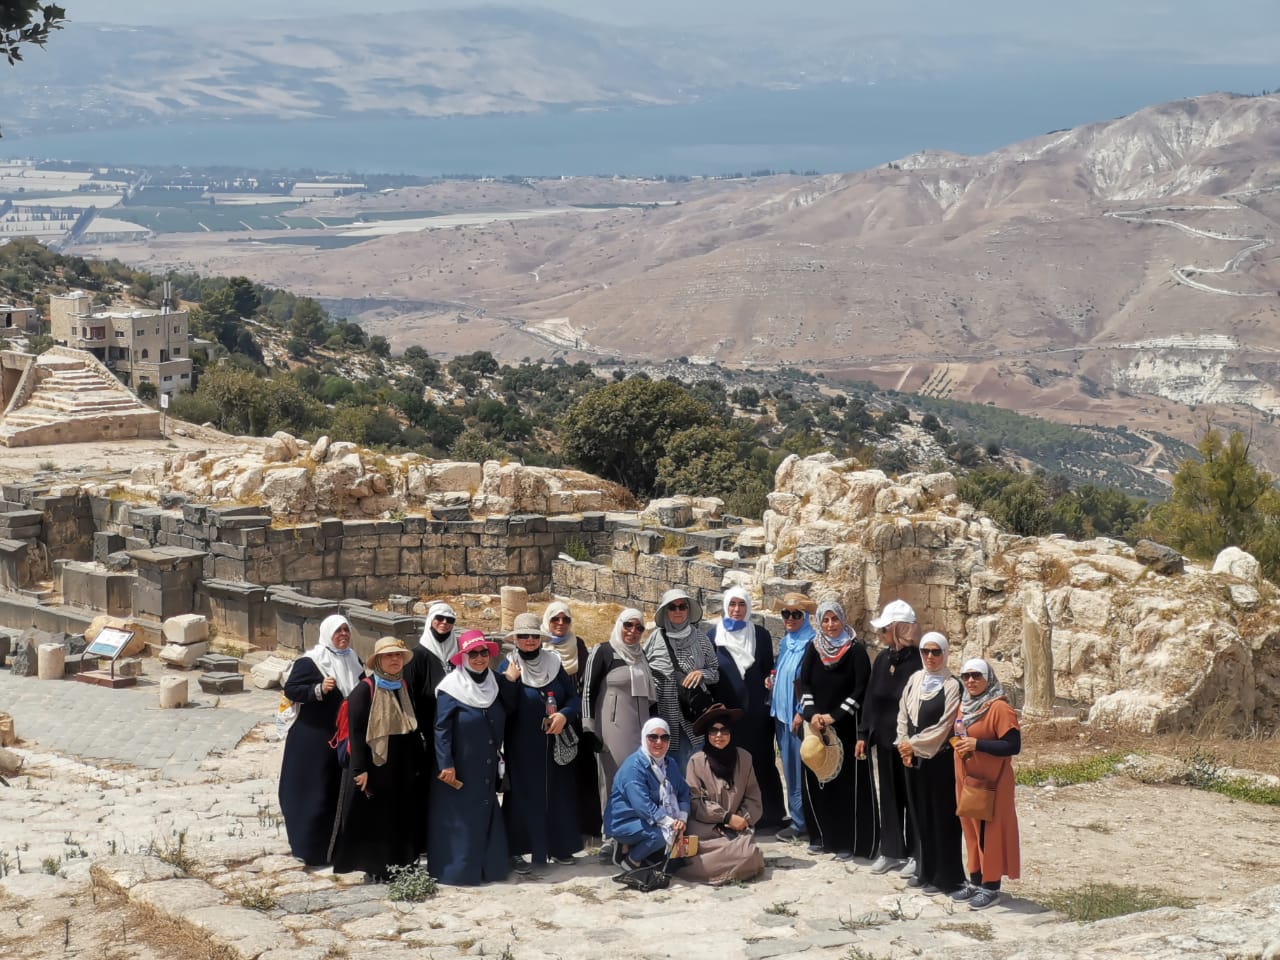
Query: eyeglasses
[719,730]
[561,618]
[476,654]
[932,652]
[973,676]
[658,737]
[446,619]
[792,614]
[678,606]
[528,636]
[633,625]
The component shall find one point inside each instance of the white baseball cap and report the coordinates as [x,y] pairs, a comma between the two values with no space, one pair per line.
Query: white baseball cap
[896,611]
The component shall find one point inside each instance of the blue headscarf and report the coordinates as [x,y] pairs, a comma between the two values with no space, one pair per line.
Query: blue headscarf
[791,647]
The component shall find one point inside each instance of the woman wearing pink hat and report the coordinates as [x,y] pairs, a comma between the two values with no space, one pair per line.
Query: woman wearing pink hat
[468,842]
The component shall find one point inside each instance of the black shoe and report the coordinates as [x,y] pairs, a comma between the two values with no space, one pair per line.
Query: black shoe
[608,852]
[564,861]
[931,888]
[520,865]
[915,881]
[791,833]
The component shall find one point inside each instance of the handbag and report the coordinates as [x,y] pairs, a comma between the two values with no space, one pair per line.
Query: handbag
[977,799]
[694,701]
[565,748]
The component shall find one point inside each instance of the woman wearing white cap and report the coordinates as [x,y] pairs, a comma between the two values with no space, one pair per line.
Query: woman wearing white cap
[878,729]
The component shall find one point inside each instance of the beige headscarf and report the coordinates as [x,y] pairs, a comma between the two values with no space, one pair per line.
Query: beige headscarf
[566,647]
[391,711]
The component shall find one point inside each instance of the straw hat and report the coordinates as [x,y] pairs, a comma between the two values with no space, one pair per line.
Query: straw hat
[468,642]
[527,623]
[387,645]
[797,601]
[823,753]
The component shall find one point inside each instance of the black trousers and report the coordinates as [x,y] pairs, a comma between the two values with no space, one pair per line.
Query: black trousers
[897,834]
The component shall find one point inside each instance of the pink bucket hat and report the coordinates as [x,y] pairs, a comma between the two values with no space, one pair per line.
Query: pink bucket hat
[468,642]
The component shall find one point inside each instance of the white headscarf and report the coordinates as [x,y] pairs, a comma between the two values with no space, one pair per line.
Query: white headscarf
[632,654]
[442,650]
[342,665]
[537,671]
[667,801]
[464,688]
[933,677]
[740,643]
[566,647]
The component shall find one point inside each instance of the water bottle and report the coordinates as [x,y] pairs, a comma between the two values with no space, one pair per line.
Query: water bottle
[551,704]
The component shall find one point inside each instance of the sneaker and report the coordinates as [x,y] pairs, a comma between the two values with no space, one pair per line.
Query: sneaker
[884,864]
[965,893]
[931,888]
[607,852]
[816,848]
[520,865]
[984,898]
[908,868]
[844,856]
[791,833]
[563,861]
[914,881]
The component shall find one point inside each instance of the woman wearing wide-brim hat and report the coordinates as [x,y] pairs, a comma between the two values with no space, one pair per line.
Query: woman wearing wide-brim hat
[384,791]
[725,804]
[540,810]
[468,839]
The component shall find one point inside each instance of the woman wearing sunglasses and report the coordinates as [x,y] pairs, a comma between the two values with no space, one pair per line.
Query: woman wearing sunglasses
[797,634]
[618,697]
[926,716]
[468,843]
[680,655]
[649,804]
[540,809]
[726,804]
[559,638]
[987,739]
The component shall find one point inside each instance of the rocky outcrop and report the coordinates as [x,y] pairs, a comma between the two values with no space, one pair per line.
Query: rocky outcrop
[298,480]
[1143,646]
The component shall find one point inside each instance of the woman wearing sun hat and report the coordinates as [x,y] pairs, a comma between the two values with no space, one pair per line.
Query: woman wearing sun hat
[680,655]
[725,803]
[383,792]
[540,809]
[784,703]
[560,638]
[468,843]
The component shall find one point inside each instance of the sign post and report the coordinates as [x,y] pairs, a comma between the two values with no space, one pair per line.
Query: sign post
[164,413]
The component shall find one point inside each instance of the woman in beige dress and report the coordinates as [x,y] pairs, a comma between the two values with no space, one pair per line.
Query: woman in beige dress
[725,804]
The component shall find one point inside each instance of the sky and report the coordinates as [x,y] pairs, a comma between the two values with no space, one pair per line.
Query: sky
[1178,27]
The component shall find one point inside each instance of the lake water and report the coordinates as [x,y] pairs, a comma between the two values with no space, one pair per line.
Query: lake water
[830,128]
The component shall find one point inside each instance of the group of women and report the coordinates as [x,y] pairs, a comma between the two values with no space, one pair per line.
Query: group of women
[648,740]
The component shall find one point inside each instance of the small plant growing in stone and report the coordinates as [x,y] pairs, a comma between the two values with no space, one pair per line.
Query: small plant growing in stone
[50,865]
[174,852]
[256,898]
[411,884]
[780,908]
[577,548]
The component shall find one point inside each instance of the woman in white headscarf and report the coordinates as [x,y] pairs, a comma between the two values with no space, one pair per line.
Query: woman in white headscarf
[618,696]
[310,776]
[680,655]
[557,628]
[648,806]
[744,651]
[926,717]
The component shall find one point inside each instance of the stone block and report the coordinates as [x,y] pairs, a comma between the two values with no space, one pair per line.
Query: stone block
[355,563]
[50,661]
[219,663]
[8,736]
[186,629]
[173,692]
[79,663]
[131,667]
[221,682]
[812,559]
[271,673]
[183,655]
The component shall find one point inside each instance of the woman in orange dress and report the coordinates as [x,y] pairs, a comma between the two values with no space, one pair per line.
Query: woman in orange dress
[987,738]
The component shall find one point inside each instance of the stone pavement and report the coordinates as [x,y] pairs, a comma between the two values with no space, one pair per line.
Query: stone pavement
[127,725]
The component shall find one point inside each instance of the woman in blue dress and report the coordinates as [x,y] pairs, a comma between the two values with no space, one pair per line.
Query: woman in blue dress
[649,804]
[797,634]
[540,810]
[468,842]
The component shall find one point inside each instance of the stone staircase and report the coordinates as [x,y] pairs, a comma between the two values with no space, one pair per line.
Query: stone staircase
[74,399]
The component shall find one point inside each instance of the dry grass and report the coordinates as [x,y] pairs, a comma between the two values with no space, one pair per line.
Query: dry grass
[1044,744]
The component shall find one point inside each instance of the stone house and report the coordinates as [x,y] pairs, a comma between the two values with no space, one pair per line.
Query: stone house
[140,346]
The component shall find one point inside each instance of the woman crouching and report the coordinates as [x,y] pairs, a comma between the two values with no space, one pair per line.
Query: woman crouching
[649,804]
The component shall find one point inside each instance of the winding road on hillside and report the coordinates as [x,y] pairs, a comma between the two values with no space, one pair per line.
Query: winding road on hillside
[1184,275]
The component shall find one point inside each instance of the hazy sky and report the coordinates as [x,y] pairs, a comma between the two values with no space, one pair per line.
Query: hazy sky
[1173,25]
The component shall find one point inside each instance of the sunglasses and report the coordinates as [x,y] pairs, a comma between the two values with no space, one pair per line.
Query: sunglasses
[718,730]
[475,654]
[792,614]
[658,737]
[446,619]
[678,606]
[561,618]
[973,676]
[528,636]
[932,652]
[633,625]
